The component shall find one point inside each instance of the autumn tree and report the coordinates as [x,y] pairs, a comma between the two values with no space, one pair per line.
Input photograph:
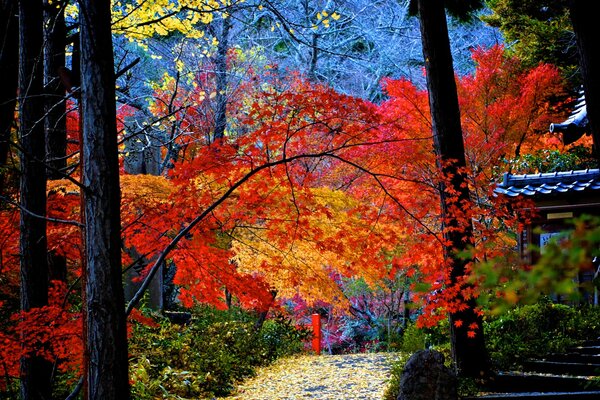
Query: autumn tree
[466,324]
[106,338]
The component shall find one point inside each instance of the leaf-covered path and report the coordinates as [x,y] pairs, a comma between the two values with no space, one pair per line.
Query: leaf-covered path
[326,377]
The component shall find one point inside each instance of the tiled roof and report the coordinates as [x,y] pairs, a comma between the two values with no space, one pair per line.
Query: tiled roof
[549,183]
[574,127]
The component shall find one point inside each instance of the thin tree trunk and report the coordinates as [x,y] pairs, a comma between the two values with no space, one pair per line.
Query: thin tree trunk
[314,58]
[584,25]
[9,70]
[55,35]
[221,79]
[469,354]
[106,340]
[35,371]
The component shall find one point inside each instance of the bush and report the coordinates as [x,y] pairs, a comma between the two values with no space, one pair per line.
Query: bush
[392,389]
[280,337]
[207,357]
[413,339]
[535,330]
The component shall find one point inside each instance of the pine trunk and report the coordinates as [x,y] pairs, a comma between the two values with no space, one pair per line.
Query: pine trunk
[55,36]
[469,354]
[35,371]
[106,337]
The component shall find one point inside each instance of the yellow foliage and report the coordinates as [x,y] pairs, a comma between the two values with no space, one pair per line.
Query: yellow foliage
[134,188]
[146,188]
[141,19]
[302,261]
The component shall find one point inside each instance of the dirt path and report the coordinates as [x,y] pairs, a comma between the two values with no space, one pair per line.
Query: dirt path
[339,377]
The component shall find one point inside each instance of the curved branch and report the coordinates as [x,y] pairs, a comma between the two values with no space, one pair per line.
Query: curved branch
[283,161]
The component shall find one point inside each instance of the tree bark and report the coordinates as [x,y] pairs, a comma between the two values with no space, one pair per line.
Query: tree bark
[469,354]
[35,371]
[9,70]
[55,35]
[106,337]
[584,25]
[221,79]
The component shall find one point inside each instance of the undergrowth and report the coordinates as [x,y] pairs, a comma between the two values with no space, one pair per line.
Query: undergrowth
[206,357]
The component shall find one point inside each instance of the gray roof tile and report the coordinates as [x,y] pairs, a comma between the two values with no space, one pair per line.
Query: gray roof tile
[545,184]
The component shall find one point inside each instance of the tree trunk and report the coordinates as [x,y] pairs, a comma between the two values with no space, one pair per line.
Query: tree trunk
[35,371]
[106,337]
[55,34]
[584,25]
[469,354]
[55,122]
[9,70]
[221,79]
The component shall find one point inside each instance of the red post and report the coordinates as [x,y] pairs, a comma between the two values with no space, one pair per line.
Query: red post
[316,341]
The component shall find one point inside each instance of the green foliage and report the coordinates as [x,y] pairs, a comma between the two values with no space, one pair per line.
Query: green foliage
[281,338]
[467,387]
[534,330]
[393,386]
[414,339]
[538,32]
[207,357]
[505,283]
[545,160]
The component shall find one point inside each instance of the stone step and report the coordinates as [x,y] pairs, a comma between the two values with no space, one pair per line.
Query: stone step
[538,396]
[562,368]
[595,342]
[592,350]
[512,382]
[574,358]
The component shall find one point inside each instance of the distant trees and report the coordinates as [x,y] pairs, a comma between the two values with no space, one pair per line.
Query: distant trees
[351,45]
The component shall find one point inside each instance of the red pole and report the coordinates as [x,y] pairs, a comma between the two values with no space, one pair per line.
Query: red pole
[316,341]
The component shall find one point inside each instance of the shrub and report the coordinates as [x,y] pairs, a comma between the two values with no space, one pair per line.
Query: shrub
[534,330]
[280,337]
[207,357]
[392,389]
[413,339]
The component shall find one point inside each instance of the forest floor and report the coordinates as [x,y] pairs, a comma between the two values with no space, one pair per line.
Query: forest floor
[326,377]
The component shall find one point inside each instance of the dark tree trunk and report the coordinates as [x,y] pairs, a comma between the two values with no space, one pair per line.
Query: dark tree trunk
[469,354]
[584,25]
[9,71]
[35,371]
[314,58]
[55,123]
[221,79]
[106,337]
[55,34]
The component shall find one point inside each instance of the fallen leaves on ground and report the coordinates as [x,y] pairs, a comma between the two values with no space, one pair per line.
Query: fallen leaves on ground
[328,377]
